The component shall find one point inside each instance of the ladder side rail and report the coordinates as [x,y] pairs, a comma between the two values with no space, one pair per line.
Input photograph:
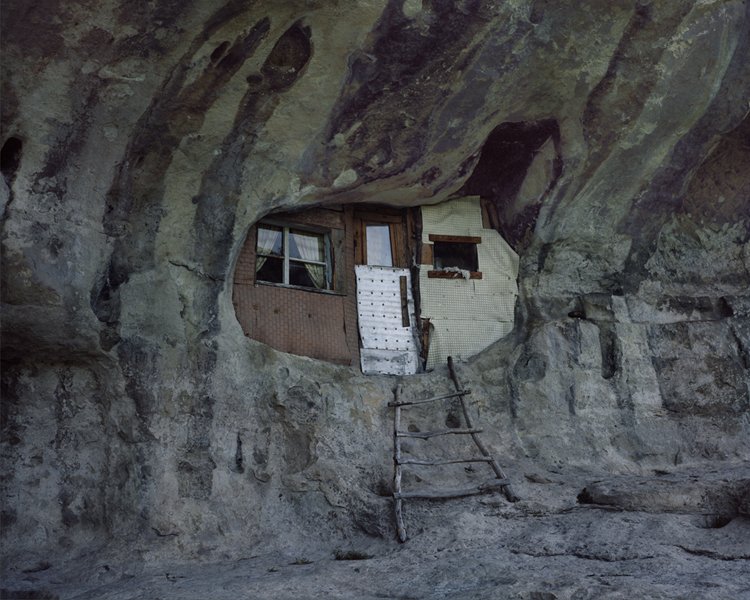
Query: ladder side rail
[507,488]
[400,527]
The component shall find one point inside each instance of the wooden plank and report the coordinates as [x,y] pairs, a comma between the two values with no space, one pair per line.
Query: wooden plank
[427,257]
[317,217]
[360,241]
[400,255]
[430,434]
[453,275]
[487,486]
[447,461]
[456,239]
[404,301]
[507,489]
[425,339]
[380,215]
[433,399]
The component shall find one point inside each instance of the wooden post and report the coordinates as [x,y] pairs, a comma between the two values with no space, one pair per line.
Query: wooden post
[404,301]
[507,489]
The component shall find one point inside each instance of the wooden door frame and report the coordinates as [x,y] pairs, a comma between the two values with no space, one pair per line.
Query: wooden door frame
[372,215]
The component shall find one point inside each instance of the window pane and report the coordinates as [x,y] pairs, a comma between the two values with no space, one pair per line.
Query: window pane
[452,254]
[270,240]
[306,246]
[269,269]
[307,275]
[379,245]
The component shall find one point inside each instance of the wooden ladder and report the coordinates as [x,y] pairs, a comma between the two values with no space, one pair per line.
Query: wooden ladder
[500,481]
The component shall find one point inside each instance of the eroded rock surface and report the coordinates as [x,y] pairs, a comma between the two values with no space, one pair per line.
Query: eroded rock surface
[139,145]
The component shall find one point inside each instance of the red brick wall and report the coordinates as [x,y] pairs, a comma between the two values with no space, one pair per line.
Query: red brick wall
[308,323]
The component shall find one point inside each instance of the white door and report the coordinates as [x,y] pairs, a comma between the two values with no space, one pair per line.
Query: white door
[387,321]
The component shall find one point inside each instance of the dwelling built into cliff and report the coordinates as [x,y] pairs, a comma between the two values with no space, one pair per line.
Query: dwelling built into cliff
[396,290]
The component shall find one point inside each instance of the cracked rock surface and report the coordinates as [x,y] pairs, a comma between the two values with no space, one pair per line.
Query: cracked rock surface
[150,449]
[479,547]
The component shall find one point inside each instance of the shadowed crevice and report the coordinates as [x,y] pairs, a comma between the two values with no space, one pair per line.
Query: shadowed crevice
[501,170]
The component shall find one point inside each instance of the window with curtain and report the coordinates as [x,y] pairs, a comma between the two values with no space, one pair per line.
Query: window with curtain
[292,256]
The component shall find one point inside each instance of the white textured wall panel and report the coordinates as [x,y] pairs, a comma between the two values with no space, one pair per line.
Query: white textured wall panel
[387,346]
[467,315]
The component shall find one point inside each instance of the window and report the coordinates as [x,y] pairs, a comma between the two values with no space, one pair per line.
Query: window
[379,251]
[457,255]
[454,255]
[291,256]
[380,238]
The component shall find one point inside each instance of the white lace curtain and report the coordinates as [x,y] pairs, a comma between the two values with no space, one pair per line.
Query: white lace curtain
[309,249]
[267,241]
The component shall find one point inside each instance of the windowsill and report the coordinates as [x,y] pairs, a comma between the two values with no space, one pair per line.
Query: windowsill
[301,288]
[453,275]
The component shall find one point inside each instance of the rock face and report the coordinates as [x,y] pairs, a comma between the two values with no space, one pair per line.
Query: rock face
[140,143]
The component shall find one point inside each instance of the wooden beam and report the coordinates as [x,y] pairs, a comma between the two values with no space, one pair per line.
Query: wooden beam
[404,301]
[455,239]
[381,215]
[453,275]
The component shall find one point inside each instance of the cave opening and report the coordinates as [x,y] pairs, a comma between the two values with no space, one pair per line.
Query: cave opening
[395,290]
[520,163]
[399,289]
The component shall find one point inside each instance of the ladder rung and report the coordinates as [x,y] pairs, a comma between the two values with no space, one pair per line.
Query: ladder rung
[433,399]
[487,486]
[428,434]
[447,461]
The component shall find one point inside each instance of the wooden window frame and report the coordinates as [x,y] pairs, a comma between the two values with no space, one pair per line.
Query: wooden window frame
[287,260]
[429,251]
[452,275]
[395,219]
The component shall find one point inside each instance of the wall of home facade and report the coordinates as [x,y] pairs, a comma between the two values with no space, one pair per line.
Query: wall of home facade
[461,312]
[319,324]
[466,314]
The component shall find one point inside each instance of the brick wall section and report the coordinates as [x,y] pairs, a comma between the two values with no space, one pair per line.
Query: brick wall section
[308,323]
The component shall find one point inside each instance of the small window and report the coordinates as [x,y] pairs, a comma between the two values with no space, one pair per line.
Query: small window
[291,256]
[379,251]
[456,255]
